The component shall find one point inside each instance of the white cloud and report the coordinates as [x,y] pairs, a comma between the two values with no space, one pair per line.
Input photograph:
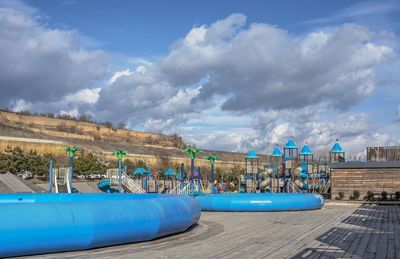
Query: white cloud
[73,112]
[118,74]
[83,96]
[42,64]
[264,67]
[20,105]
[288,84]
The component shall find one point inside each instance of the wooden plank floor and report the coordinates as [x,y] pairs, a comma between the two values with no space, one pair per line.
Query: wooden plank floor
[336,231]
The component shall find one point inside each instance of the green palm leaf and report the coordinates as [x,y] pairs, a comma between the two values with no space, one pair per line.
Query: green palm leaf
[192,152]
[212,158]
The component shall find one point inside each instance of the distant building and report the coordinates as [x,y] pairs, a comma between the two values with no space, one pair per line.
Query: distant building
[383,154]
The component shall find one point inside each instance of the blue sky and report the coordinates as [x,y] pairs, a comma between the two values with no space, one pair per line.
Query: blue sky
[148,28]
[223,74]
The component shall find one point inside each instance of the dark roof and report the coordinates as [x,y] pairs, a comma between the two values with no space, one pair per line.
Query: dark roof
[350,165]
[387,147]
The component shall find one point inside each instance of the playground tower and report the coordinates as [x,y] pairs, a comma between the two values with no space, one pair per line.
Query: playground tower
[276,157]
[251,167]
[337,153]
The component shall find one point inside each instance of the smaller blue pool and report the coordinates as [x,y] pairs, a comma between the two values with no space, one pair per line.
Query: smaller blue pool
[260,202]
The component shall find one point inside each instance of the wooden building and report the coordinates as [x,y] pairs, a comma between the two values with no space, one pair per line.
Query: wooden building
[363,177]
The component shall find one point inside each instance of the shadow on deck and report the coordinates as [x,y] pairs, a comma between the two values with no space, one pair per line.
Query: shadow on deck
[369,232]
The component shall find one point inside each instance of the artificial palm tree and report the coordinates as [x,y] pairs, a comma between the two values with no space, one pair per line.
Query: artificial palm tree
[212,159]
[71,153]
[192,155]
[120,154]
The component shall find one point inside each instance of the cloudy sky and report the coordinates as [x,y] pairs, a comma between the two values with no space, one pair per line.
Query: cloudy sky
[223,74]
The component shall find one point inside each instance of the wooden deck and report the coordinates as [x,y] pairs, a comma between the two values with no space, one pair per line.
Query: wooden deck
[367,231]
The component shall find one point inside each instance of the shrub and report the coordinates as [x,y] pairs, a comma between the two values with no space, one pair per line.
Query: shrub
[397,195]
[341,195]
[351,197]
[384,195]
[337,198]
[356,194]
[370,195]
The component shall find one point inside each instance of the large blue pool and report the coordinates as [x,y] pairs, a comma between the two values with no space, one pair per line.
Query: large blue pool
[43,223]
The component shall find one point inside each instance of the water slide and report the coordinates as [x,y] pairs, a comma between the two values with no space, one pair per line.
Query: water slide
[260,202]
[302,176]
[45,223]
[105,186]
[266,179]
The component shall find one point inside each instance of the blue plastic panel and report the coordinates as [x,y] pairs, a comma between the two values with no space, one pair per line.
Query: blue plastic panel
[44,223]
[260,202]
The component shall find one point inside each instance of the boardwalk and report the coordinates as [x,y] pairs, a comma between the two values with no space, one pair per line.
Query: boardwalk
[336,231]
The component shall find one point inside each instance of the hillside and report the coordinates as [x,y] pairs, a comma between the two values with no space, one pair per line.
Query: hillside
[51,135]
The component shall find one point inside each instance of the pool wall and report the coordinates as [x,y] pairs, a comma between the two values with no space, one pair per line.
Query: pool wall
[260,202]
[44,223]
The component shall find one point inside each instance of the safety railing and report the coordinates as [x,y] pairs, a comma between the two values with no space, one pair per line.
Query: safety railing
[131,185]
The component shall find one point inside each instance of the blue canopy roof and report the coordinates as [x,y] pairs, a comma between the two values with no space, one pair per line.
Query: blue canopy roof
[306,151]
[337,148]
[251,154]
[169,171]
[290,144]
[141,171]
[276,152]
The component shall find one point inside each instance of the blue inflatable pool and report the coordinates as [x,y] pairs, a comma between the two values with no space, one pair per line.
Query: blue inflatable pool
[260,202]
[44,223]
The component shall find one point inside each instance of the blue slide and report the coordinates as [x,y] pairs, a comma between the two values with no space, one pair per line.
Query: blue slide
[105,186]
[260,202]
[44,223]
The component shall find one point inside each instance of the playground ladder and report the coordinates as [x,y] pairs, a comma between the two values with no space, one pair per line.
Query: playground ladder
[325,187]
[294,187]
[175,189]
[131,184]
[186,189]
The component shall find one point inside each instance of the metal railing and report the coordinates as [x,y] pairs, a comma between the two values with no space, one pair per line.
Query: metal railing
[131,185]
[185,190]
[294,187]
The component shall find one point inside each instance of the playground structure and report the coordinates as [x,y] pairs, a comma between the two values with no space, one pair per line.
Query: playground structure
[291,171]
[114,179]
[59,180]
[288,172]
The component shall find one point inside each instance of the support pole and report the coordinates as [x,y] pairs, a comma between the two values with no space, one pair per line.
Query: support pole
[51,176]
[213,178]
[165,187]
[198,179]
[71,161]
[182,175]
[191,175]
[119,176]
